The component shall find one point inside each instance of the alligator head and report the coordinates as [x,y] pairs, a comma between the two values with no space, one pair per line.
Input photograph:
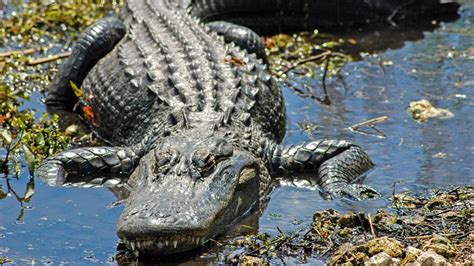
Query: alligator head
[187,191]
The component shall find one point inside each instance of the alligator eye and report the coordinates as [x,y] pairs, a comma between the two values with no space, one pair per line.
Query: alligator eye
[200,158]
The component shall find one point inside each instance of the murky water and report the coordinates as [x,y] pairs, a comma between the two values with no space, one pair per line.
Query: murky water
[72,225]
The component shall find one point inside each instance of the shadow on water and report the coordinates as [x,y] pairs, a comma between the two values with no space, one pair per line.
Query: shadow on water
[432,60]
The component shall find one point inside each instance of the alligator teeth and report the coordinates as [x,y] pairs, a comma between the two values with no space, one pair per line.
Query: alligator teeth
[175,243]
[161,244]
[139,245]
[132,245]
[167,243]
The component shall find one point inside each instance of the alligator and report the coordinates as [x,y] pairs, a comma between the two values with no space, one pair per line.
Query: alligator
[191,118]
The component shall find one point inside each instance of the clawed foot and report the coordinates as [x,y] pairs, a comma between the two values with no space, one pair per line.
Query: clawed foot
[351,191]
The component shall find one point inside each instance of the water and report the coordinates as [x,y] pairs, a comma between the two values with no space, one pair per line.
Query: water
[72,225]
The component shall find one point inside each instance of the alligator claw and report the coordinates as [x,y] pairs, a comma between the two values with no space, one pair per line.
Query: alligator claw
[356,192]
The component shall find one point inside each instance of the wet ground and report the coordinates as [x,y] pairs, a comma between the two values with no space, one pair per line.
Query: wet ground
[73,225]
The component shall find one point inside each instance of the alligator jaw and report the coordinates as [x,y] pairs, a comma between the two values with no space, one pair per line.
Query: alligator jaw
[165,245]
[169,213]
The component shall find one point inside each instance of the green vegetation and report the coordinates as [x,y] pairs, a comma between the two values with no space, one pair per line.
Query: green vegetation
[36,21]
[304,52]
[20,132]
[36,29]
[33,36]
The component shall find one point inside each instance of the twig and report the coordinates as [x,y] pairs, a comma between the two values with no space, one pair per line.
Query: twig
[49,58]
[394,201]
[326,99]
[381,134]
[306,60]
[216,242]
[430,236]
[401,141]
[370,122]
[371,225]
[285,239]
[341,77]
[396,11]
[263,246]
[24,52]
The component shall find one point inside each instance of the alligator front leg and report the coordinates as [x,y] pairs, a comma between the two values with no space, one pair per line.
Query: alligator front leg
[332,164]
[242,36]
[93,165]
[93,44]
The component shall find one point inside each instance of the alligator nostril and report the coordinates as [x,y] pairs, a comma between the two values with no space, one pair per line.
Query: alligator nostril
[131,214]
[162,215]
[145,214]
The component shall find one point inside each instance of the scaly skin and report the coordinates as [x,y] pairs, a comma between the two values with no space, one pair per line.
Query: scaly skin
[195,120]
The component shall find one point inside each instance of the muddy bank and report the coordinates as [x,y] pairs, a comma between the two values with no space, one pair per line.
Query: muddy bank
[434,227]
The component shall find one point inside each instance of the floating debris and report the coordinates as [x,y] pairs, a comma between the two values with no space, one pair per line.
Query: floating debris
[423,110]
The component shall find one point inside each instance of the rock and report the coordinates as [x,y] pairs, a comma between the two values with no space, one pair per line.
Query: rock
[440,245]
[411,253]
[396,262]
[380,259]
[385,244]
[430,258]
[412,250]
[252,261]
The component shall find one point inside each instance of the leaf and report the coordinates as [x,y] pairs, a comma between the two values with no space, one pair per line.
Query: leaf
[6,136]
[39,139]
[3,194]
[20,216]
[3,118]
[30,158]
[88,113]
[30,190]
[78,92]
[71,130]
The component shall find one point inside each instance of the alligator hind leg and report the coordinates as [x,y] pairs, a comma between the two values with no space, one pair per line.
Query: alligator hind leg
[242,36]
[337,164]
[91,165]
[93,44]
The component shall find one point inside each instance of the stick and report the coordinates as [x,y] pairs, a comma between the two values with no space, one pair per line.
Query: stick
[326,99]
[369,122]
[49,58]
[371,225]
[430,236]
[309,59]
[26,51]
